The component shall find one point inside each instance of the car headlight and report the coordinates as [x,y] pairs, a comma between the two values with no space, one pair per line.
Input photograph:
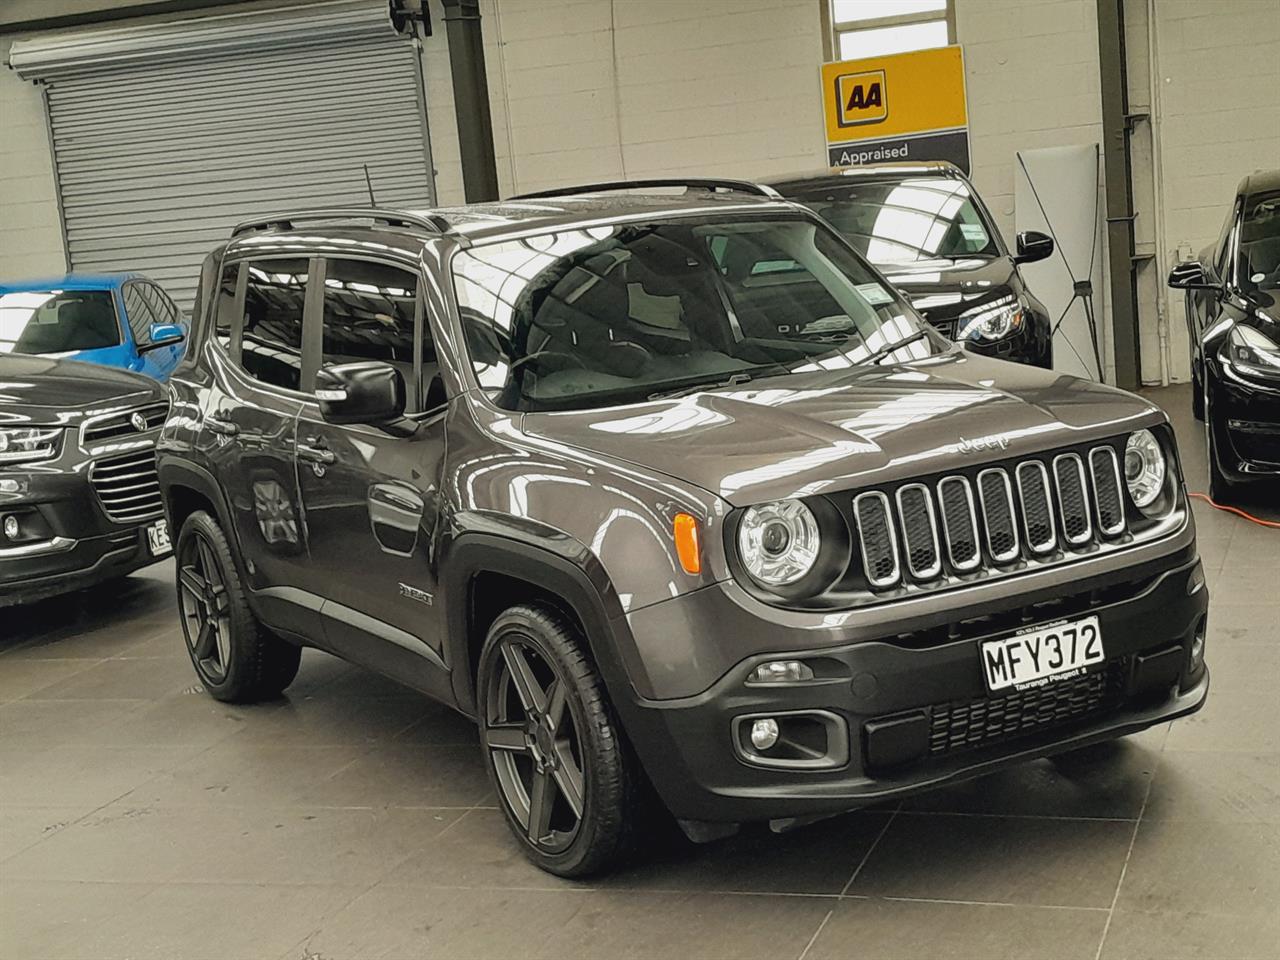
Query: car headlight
[991,321]
[28,444]
[1253,353]
[1144,467]
[778,542]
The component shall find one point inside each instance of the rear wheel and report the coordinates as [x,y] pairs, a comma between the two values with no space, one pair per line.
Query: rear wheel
[237,659]
[567,781]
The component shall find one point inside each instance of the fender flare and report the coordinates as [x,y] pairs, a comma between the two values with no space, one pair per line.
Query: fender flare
[556,563]
[184,473]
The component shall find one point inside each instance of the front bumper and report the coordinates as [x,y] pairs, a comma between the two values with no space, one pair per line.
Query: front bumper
[690,747]
[1247,415]
[72,543]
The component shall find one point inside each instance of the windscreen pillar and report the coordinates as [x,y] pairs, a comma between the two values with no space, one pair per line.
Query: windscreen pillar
[471,99]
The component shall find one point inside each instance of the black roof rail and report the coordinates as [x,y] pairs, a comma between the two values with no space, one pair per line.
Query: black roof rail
[392,218]
[689,183]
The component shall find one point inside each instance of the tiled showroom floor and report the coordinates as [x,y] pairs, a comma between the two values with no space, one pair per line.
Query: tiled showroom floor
[139,818]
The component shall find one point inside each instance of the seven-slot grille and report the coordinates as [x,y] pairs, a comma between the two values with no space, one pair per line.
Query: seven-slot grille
[127,486]
[121,424]
[1034,509]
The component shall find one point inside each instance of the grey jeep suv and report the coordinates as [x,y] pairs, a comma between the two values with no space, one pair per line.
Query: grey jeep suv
[676,497]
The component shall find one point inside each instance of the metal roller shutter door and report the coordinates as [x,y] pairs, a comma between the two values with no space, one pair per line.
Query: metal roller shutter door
[159,152]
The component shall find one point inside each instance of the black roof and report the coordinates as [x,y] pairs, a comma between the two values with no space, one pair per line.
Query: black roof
[868,172]
[405,228]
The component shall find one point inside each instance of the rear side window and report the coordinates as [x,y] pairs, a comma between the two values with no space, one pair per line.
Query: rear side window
[139,307]
[371,312]
[271,340]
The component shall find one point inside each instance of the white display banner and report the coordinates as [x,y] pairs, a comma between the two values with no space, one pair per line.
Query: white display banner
[1057,190]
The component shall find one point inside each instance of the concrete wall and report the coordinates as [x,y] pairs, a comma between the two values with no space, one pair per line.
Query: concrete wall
[30,234]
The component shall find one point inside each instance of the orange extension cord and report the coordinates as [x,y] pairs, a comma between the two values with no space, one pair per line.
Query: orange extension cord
[1249,517]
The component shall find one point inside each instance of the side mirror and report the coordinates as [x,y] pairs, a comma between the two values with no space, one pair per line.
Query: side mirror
[1190,275]
[165,335]
[369,392]
[1033,246]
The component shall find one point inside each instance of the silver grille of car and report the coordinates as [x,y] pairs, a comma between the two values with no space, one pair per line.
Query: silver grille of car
[1032,510]
[122,424]
[128,487]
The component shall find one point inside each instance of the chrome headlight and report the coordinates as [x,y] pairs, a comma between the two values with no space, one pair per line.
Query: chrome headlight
[28,444]
[1253,353]
[778,542]
[991,321]
[1144,468]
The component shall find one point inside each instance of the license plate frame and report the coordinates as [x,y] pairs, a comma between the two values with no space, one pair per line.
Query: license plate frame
[1041,655]
[158,540]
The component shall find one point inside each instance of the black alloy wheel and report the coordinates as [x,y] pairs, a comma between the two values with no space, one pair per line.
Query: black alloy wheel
[237,659]
[205,608]
[535,746]
[568,783]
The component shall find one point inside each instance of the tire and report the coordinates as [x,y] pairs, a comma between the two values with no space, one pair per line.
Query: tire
[237,659]
[534,752]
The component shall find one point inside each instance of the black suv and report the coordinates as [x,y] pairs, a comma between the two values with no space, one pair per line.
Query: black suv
[1233,326]
[675,495]
[79,498]
[925,227]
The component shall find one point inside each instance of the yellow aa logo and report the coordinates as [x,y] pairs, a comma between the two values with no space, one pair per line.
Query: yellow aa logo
[861,98]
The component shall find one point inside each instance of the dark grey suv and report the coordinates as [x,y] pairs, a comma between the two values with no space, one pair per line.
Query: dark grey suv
[678,498]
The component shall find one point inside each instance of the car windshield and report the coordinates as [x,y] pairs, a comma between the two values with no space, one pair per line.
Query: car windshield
[57,321]
[1260,242]
[905,221]
[627,312]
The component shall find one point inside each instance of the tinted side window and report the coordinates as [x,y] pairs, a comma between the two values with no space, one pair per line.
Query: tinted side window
[271,345]
[165,310]
[138,306]
[369,314]
[224,310]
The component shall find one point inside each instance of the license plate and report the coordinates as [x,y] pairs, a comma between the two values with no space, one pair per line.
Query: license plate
[1039,656]
[158,538]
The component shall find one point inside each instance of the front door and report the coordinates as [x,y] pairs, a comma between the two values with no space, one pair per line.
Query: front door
[370,499]
[252,420]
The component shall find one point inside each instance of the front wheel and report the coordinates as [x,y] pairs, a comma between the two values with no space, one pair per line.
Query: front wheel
[237,659]
[555,752]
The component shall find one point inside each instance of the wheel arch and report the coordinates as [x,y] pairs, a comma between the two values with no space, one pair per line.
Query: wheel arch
[484,573]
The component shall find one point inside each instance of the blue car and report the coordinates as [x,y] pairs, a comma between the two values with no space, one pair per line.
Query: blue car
[118,320]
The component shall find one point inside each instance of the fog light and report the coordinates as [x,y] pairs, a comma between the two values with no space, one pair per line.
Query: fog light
[1197,650]
[781,671]
[11,529]
[764,733]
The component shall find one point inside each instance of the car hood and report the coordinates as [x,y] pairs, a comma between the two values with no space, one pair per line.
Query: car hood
[806,434]
[946,288]
[32,387]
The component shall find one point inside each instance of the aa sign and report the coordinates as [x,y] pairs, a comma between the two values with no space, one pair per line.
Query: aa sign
[861,98]
[907,106]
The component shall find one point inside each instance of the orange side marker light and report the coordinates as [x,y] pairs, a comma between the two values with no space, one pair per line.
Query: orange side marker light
[688,547]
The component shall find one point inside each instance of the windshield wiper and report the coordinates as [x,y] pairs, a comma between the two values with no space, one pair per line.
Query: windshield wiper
[733,381]
[897,345]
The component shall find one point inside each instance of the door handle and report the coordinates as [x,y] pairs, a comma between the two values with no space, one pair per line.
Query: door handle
[221,425]
[316,454]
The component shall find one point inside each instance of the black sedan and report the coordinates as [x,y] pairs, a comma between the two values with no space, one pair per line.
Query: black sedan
[79,497]
[926,229]
[1233,319]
